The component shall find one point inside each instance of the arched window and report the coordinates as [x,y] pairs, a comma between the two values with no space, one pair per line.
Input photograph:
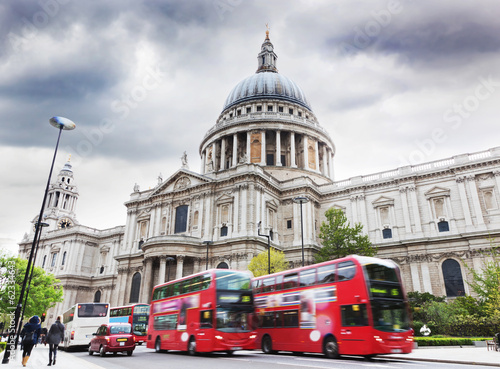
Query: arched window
[135,288]
[181,214]
[452,276]
[64,258]
[223,265]
[97,296]
[223,231]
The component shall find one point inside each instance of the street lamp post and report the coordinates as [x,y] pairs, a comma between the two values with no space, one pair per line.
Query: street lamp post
[268,246]
[301,200]
[62,124]
[208,243]
[43,225]
[169,259]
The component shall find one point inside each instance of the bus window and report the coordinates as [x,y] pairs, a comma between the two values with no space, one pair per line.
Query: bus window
[354,315]
[268,320]
[256,285]
[279,283]
[326,273]
[206,281]
[92,310]
[307,277]
[279,319]
[291,318]
[379,272]
[346,270]
[175,289]
[290,281]
[165,322]
[206,319]
[268,284]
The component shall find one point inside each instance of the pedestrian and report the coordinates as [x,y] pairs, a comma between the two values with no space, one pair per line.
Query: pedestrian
[54,338]
[30,333]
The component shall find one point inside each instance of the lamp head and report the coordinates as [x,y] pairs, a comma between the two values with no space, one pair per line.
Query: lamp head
[62,123]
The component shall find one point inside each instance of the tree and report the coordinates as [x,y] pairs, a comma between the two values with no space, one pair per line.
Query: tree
[340,239]
[259,264]
[44,292]
[486,282]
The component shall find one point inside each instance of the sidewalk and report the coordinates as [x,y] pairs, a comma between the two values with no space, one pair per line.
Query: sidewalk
[40,358]
[453,354]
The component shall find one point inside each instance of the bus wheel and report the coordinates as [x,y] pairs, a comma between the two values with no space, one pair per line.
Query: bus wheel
[158,344]
[101,351]
[192,346]
[267,345]
[331,348]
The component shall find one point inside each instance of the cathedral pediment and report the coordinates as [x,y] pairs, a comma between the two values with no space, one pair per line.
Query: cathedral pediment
[179,181]
[437,191]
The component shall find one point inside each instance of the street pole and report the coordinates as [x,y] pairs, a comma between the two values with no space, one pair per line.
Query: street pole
[300,200]
[31,273]
[268,247]
[208,243]
[62,124]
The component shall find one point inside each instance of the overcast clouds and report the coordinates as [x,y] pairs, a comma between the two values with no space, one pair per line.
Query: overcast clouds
[393,82]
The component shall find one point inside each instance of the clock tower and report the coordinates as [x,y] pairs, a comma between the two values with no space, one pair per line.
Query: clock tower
[60,206]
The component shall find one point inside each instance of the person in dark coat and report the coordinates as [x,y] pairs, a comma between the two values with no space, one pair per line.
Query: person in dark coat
[54,338]
[30,333]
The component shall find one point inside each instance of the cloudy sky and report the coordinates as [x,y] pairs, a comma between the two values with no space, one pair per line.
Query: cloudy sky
[394,83]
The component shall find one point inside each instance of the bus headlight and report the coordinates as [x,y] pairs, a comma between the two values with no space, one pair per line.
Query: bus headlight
[378,339]
[218,337]
[252,336]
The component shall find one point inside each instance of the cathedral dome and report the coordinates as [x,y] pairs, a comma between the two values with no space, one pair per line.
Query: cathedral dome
[267,85]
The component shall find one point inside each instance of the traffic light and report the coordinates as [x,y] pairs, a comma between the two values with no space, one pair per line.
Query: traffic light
[42,319]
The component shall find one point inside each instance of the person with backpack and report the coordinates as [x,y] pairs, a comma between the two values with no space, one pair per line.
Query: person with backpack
[30,333]
[54,338]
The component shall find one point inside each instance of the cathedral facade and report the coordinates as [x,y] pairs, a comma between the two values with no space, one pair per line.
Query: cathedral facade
[267,169]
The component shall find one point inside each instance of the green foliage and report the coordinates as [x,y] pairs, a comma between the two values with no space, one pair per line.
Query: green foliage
[486,282]
[340,239]
[259,264]
[44,292]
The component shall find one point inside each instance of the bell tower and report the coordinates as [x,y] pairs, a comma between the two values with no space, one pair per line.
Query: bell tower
[62,197]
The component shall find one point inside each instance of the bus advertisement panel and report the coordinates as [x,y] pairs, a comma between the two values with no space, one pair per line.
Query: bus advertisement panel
[351,306]
[137,315]
[205,312]
[81,320]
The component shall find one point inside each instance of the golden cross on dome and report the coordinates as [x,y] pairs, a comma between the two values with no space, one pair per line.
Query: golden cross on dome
[267,31]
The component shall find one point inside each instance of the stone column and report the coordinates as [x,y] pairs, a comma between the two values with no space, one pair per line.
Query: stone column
[324,166]
[305,153]
[406,213]
[223,153]
[248,147]
[180,266]
[354,207]
[203,162]
[235,150]
[293,164]
[146,285]
[244,210]
[316,154]
[278,148]
[475,201]
[414,205]
[463,200]
[214,156]
[163,267]
[263,148]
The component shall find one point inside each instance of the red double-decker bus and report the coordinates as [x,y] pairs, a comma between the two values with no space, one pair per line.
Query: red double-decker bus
[350,306]
[205,312]
[137,315]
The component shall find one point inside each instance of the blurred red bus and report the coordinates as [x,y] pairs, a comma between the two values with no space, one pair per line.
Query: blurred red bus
[205,312]
[350,306]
